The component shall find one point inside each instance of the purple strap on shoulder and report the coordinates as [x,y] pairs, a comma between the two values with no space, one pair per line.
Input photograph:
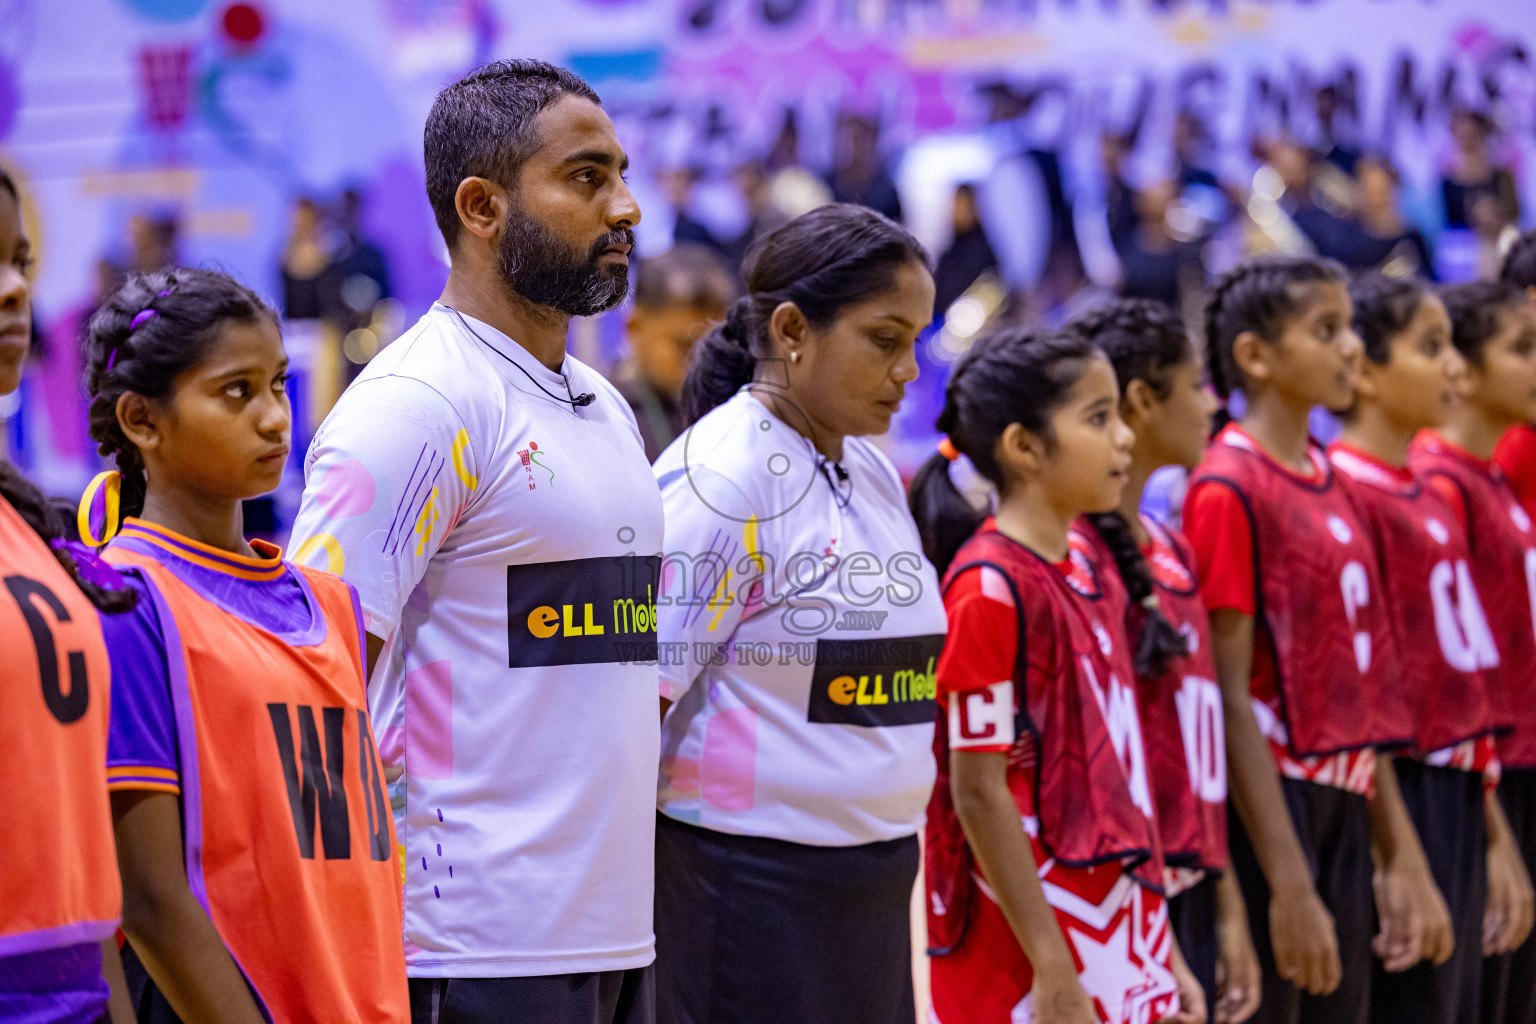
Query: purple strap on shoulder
[90,566]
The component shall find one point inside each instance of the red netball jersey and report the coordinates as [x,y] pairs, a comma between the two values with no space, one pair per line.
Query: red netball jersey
[1442,686]
[1504,570]
[1077,764]
[1516,456]
[288,835]
[1181,711]
[58,885]
[1321,633]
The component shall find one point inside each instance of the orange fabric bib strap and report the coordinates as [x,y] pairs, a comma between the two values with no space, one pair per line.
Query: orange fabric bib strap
[289,839]
[58,886]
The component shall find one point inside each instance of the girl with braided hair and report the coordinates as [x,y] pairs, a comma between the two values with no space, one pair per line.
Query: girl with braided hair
[1044,869]
[1299,633]
[1515,453]
[253,835]
[1163,399]
[1408,383]
[60,899]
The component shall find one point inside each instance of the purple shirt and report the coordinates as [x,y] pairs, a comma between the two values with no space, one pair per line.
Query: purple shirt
[141,742]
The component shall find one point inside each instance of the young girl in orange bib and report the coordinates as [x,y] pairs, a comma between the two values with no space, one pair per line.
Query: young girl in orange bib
[253,832]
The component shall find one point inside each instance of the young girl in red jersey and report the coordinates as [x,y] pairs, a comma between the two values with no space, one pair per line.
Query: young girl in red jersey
[1407,384]
[59,895]
[1516,450]
[1493,328]
[253,834]
[1044,870]
[1298,630]
[1164,401]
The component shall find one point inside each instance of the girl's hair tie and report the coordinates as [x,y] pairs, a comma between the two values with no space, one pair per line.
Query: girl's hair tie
[89,566]
[948,450]
[108,486]
[140,318]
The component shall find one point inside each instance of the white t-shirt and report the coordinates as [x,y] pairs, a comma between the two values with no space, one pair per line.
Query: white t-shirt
[800,626]
[505,544]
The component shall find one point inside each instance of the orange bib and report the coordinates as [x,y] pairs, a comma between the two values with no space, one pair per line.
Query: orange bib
[289,840]
[58,867]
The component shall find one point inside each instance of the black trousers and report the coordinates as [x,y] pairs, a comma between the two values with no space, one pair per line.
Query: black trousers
[760,931]
[1335,832]
[1509,980]
[1446,806]
[1193,914]
[606,997]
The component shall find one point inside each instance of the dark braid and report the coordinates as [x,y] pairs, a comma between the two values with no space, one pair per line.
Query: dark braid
[1144,341]
[51,520]
[1258,295]
[180,313]
[1155,642]
[1009,376]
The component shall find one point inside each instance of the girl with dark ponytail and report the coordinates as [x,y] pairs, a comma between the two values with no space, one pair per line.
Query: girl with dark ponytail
[60,899]
[1163,399]
[797,748]
[218,678]
[1043,787]
[1299,633]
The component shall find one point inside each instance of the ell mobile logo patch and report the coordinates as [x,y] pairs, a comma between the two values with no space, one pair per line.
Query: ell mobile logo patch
[586,611]
[875,683]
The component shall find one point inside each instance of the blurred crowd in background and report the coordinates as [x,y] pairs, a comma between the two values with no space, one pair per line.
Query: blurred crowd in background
[1037,233]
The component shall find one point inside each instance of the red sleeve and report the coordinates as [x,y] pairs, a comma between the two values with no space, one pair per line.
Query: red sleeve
[1452,495]
[976,669]
[1216,524]
[1516,456]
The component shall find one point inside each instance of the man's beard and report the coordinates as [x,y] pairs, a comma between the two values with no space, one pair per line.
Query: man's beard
[548,272]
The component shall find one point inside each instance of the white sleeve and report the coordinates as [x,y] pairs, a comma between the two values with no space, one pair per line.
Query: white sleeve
[707,573]
[388,476]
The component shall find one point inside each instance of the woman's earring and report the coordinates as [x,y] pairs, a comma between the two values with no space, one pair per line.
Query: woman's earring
[794,357]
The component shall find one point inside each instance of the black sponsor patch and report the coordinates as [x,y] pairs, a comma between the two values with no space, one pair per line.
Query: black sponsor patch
[875,683]
[586,611]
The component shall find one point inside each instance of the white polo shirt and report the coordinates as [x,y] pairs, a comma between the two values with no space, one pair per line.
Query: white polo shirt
[800,626]
[507,546]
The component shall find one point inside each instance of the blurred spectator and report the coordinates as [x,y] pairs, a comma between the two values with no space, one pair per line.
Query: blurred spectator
[304,263]
[1328,232]
[860,174]
[358,269]
[1155,264]
[686,230]
[1119,196]
[1383,241]
[677,296]
[1473,174]
[1334,146]
[968,257]
[1191,153]
[155,242]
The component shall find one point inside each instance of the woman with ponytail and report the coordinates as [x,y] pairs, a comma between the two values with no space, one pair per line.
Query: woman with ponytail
[60,900]
[799,625]
[1300,633]
[257,860]
[1044,868]
[1164,401]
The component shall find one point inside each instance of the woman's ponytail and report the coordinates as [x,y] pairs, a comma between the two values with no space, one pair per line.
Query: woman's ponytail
[1154,640]
[723,361]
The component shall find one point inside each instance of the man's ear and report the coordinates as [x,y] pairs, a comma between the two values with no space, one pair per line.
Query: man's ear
[1252,355]
[139,420]
[482,206]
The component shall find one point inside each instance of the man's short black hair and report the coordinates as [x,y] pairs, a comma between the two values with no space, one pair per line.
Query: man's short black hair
[482,126]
